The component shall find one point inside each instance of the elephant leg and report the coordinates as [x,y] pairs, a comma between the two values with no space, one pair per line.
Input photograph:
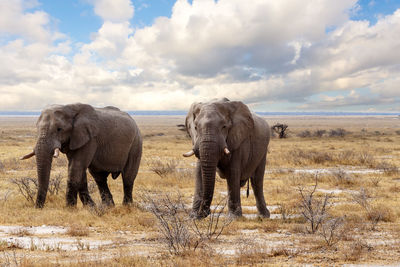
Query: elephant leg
[130,172]
[77,183]
[257,181]
[78,162]
[234,205]
[101,180]
[84,192]
[198,193]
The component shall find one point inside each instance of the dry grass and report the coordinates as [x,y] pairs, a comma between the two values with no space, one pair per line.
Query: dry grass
[347,153]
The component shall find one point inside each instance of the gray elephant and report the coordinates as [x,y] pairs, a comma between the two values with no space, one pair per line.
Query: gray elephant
[227,138]
[103,140]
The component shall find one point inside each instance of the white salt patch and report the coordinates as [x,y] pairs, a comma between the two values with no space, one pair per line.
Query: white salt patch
[55,243]
[39,230]
[335,191]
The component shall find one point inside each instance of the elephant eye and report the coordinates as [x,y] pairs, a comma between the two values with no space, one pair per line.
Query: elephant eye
[224,127]
[59,129]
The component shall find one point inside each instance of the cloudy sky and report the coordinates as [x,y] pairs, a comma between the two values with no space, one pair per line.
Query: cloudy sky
[286,55]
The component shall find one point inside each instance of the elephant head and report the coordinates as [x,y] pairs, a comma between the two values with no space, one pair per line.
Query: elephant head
[64,128]
[217,129]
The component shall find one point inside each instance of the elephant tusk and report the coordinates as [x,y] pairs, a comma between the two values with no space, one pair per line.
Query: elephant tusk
[189,153]
[56,152]
[226,151]
[27,156]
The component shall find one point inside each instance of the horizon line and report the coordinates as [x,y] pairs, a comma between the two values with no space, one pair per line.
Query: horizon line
[183,112]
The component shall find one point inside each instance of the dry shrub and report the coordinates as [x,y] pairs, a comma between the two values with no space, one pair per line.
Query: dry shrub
[375,181]
[299,157]
[161,168]
[212,226]
[373,213]
[347,156]
[314,210]
[173,222]
[180,232]
[77,230]
[319,133]
[397,132]
[304,134]
[340,177]
[365,158]
[308,133]
[27,186]
[387,167]
[354,250]
[333,230]
[380,213]
[339,132]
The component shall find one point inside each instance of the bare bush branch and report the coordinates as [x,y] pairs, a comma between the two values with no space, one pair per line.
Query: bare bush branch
[332,230]
[173,221]
[313,209]
[212,226]
[27,187]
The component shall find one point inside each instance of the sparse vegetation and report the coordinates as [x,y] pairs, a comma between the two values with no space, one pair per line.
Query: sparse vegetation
[161,168]
[339,132]
[77,230]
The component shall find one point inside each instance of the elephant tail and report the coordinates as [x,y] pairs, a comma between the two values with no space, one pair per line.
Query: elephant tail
[243,183]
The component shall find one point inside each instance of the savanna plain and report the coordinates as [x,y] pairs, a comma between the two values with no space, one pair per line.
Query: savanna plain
[332,187]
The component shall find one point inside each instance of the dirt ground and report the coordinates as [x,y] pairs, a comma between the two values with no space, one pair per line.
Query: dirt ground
[332,187]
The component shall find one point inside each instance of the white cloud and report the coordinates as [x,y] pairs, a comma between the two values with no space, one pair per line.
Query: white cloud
[263,53]
[114,10]
[15,20]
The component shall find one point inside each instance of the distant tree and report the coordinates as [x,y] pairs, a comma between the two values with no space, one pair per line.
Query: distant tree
[280,129]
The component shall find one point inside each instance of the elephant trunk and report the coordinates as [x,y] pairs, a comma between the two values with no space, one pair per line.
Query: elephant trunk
[209,156]
[44,153]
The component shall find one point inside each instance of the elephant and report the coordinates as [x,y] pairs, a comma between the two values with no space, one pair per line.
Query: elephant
[227,138]
[103,140]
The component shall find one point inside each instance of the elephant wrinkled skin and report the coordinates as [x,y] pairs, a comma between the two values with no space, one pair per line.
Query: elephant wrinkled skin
[227,138]
[103,140]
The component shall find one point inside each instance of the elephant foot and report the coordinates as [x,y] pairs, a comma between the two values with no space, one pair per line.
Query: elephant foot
[71,203]
[235,212]
[264,212]
[200,214]
[127,201]
[235,215]
[109,202]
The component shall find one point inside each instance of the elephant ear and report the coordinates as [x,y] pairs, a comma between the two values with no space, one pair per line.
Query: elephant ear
[242,124]
[190,117]
[84,126]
